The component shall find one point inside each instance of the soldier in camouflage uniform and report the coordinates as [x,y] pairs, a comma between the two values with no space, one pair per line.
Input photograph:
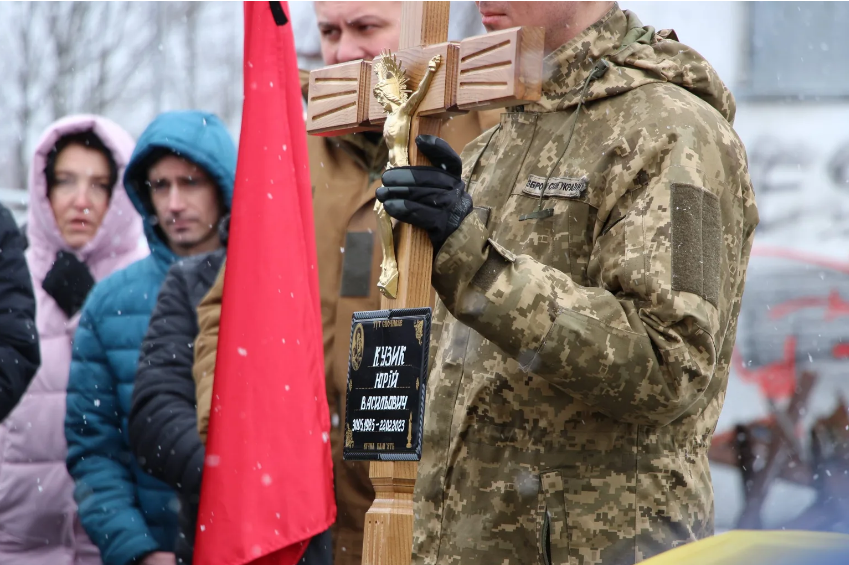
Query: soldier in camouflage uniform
[590,281]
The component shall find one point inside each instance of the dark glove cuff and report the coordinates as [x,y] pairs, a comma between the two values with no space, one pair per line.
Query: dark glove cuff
[462,207]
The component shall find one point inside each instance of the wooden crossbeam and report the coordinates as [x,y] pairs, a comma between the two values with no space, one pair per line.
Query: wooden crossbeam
[338,98]
[496,70]
[500,68]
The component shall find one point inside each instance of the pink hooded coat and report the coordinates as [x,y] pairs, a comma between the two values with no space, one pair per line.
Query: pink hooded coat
[38,516]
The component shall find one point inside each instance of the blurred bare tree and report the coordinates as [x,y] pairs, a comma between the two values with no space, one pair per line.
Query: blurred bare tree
[124,60]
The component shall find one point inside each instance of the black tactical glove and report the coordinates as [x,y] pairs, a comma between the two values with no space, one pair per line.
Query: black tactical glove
[68,282]
[432,198]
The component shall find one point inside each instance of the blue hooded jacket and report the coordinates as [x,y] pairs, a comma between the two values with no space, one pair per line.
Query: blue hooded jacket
[126,512]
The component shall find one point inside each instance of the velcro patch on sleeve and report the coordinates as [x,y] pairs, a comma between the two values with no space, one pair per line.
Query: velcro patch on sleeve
[696,241]
[499,259]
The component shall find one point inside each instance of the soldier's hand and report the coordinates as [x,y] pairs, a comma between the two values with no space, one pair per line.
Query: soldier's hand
[433,198]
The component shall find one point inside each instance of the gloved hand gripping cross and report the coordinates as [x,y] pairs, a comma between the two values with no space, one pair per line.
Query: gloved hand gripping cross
[432,198]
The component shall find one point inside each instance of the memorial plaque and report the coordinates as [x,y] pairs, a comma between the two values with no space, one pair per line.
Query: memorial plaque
[387,378]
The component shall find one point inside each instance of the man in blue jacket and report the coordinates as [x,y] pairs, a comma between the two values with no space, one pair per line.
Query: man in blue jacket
[180,179]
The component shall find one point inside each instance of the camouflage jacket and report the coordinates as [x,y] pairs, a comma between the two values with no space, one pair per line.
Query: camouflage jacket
[581,358]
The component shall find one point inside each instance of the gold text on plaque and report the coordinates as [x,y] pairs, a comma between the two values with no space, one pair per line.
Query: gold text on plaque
[400,105]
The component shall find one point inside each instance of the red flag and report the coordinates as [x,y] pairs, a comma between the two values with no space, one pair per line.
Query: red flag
[267,483]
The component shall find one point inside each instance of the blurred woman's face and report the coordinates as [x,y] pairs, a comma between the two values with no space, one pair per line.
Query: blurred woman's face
[80,196]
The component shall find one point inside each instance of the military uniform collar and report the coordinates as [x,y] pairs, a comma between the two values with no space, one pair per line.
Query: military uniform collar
[567,67]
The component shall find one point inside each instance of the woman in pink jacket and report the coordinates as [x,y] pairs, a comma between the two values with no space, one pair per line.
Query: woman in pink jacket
[81,227]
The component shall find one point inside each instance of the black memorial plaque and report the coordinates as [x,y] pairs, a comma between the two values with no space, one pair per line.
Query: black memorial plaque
[387,372]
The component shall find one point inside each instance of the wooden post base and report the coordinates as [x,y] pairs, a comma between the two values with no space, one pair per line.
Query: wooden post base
[389,521]
[388,536]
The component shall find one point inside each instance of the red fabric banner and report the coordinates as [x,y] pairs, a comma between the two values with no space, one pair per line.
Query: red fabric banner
[268,484]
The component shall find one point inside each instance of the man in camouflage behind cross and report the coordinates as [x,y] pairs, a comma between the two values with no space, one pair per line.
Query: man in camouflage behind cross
[590,255]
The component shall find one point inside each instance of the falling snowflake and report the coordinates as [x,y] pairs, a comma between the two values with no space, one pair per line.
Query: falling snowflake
[242,351]
[266,479]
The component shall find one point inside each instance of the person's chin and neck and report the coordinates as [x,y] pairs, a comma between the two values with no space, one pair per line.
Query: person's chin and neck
[185,241]
[188,206]
[562,21]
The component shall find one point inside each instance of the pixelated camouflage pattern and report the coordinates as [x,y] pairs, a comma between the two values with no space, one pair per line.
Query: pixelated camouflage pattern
[574,385]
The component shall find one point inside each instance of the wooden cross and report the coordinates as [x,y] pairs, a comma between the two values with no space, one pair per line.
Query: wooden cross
[499,69]
[782,448]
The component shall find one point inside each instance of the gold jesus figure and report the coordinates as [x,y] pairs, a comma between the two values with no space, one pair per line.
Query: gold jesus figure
[400,105]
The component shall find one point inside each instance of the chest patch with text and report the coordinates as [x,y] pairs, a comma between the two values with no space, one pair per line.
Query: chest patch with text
[559,187]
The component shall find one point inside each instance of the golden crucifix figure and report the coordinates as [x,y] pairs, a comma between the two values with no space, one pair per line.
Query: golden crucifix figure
[400,105]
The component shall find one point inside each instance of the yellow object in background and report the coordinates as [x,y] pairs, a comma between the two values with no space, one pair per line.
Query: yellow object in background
[758,547]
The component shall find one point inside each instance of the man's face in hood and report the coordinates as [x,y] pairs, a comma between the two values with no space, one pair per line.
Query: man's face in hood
[187,205]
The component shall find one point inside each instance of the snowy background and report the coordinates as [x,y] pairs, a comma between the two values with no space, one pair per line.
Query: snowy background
[785,62]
